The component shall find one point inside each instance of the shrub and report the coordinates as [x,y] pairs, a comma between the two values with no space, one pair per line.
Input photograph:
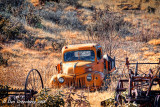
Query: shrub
[105,23]
[29,41]
[3,61]
[58,45]
[70,20]
[71,2]
[23,10]
[50,101]
[12,2]
[52,16]
[1,47]
[151,9]
[9,30]
[34,20]
[40,44]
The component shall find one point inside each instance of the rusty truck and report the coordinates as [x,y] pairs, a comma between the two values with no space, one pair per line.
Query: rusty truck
[83,66]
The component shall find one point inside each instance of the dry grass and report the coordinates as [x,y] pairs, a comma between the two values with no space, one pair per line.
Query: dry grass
[149,53]
[35,2]
[96,97]
[21,59]
[70,8]
[40,32]
[154,42]
[145,49]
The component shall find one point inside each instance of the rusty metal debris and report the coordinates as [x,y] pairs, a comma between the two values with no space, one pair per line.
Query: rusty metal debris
[33,84]
[139,88]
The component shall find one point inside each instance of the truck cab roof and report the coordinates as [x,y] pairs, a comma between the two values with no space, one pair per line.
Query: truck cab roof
[80,47]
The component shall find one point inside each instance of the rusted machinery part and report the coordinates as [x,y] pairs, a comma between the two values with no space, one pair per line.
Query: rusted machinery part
[120,100]
[33,79]
[33,84]
[138,82]
[157,101]
[158,72]
[112,78]
[4,91]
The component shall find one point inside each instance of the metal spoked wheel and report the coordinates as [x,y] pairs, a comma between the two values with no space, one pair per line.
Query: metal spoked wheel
[33,84]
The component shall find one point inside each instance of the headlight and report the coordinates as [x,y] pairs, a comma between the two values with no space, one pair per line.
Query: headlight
[89,69]
[89,77]
[61,80]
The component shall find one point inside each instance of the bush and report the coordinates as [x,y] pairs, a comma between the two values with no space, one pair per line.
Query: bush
[50,101]
[9,30]
[105,23]
[71,2]
[33,20]
[12,2]
[52,16]
[58,45]
[3,61]
[70,20]
[23,10]
[29,41]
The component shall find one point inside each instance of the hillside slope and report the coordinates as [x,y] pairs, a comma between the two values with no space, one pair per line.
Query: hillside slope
[32,36]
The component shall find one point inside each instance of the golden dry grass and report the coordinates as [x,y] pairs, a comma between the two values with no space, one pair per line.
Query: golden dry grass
[154,42]
[40,32]
[145,49]
[35,2]
[128,38]
[70,8]
[21,60]
[149,53]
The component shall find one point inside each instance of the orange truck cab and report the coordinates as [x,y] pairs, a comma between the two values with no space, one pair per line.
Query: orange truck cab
[82,66]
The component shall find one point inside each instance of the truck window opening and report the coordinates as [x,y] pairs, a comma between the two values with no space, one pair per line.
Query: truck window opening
[98,54]
[85,55]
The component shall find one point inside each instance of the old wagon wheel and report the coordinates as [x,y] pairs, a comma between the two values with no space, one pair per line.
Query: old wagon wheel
[33,84]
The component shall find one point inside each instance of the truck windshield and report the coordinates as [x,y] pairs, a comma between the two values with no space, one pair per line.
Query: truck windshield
[86,55]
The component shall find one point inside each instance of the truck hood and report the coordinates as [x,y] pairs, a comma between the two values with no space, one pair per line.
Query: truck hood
[72,67]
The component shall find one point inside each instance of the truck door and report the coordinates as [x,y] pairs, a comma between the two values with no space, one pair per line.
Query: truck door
[100,65]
